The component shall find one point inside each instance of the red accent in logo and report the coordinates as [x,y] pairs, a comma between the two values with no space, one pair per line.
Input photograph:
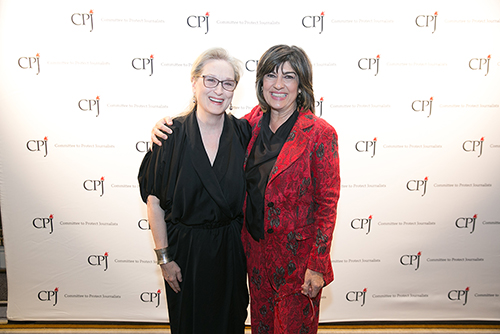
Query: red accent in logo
[419,253]
[97,98]
[51,216]
[159,291]
[321,99]
[38,55]
[56,289]
[370,217]
[378,56]
[207,14]
[364,290]
[475,216]
[322,13]
[91,11]
[482,138]
[152,57]
[489,56]
[106,254]
[45,138]
[436,13]
[432,99]
[375,139]
[102,178]
[426,178]
[467,289]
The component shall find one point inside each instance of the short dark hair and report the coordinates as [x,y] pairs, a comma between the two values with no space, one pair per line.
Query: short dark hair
[273,59]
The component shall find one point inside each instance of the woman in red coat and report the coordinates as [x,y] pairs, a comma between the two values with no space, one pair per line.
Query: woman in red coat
[293,184]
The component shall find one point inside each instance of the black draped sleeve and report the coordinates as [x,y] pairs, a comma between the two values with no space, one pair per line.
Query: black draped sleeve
[159,167]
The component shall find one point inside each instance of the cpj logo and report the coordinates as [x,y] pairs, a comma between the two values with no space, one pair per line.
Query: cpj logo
[38,146]
[361,223]
[94,185]
[43,223]
[151,297]
[466,222]
[480,64]
[423,105]
[142,146]
[142,64]
[424,21]
[251,65]
[474,146]
[82,19]
[459,295]
[369,64]
[417,185]
[319,104]
[27,63]
[48,296]
[194,21]
[99,260]
[144,224]
[356,296]
[411,260]
[313,22]
[86,105]
[367,146]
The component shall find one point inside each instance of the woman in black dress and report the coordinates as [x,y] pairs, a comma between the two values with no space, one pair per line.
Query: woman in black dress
[194,189]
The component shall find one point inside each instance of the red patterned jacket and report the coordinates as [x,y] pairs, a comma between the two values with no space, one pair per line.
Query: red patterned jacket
[300,203]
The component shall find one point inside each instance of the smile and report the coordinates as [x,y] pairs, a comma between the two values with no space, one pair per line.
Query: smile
[282,95]
[215,100]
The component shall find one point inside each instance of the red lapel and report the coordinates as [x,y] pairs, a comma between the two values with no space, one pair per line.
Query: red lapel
[295,144]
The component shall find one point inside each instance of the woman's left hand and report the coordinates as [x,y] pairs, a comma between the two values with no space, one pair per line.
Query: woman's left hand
[313,282]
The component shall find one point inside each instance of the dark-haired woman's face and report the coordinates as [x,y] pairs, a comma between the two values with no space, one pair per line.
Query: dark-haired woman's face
[280,89]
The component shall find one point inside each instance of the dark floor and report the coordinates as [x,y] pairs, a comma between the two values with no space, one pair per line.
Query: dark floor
[3,286]
[3,296]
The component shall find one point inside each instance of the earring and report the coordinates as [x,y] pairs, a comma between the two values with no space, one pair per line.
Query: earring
[194,100]
[230,106]
[300,91]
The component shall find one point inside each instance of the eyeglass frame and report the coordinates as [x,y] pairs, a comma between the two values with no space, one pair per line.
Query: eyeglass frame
[218,82]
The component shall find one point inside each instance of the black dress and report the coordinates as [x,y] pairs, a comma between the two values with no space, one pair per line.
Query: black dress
[203,212]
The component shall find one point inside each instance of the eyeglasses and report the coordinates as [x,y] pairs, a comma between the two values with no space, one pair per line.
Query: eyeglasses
[211,82]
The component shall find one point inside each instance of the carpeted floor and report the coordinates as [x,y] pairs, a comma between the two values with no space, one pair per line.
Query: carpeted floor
[3,285]
[362,328]
[103,329]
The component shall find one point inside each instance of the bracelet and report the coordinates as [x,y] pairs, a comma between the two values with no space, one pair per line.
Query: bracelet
[162,256]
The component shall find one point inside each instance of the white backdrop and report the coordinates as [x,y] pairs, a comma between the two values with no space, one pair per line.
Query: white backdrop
[412,88]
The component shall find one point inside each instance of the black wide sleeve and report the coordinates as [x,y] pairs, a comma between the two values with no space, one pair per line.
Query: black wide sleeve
[158,171]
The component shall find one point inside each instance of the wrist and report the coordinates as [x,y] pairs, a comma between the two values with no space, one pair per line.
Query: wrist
[163,256]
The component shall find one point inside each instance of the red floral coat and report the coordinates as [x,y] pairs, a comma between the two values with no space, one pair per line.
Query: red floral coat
[300,205]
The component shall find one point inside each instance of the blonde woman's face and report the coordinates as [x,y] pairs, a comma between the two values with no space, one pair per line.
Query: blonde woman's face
[213,100]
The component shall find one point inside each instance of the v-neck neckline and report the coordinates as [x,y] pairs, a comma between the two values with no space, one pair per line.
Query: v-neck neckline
[210,175]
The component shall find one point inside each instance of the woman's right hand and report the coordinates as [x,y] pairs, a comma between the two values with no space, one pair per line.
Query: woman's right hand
[172,274]
[160,128]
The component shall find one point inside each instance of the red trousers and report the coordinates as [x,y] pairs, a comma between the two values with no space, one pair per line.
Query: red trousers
[272,312]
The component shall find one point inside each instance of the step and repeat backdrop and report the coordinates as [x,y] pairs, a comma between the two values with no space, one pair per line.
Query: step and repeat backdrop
[412,88]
